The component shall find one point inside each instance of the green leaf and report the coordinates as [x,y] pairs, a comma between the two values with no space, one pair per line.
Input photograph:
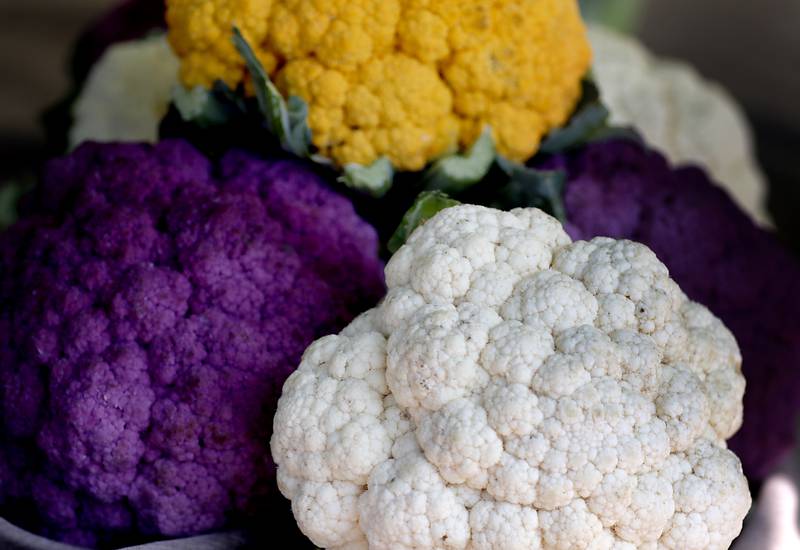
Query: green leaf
[288,122]
[455,173]
[622,15]
[527,187]
[299,132]
[426,206]
[270,100]
[589,120]
[321,160]
[200,106]
[375,179]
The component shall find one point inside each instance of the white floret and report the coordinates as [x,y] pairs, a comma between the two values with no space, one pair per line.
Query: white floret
[516,351]
[516,390]
[523,251]
[573,526]
[330,427]
[512,409]
[503,525]
[491,285]
[640,360]
[553,299]
[448,366]
[441,272]
[682,404]
[459,441]
[706,498]
[398,306]
[409,506]
[513,480]
[339,525]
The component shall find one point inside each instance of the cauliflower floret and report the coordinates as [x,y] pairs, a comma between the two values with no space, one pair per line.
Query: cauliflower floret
[543,420]
[410,506]
[409,80]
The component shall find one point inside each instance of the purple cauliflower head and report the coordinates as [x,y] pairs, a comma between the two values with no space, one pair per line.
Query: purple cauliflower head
[718,257]
[152,304]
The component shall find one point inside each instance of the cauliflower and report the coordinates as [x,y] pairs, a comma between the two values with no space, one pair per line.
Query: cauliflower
[126,94]
[742,273]
[408,80]
[516,389]
[691,120]
[153,304]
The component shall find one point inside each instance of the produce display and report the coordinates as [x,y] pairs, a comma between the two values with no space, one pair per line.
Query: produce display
[390,274]
[517,390]
[153,303]
[680,114]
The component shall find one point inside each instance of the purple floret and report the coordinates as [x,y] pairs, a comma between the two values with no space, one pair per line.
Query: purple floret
[719,258]
[151,306]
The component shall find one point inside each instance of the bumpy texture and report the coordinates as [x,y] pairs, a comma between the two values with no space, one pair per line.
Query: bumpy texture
[406,79]
[719,258]
[517,390]
[690,119]
[150,311]
[126,94]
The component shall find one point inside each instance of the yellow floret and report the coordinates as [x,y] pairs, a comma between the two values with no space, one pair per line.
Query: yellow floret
[407,79]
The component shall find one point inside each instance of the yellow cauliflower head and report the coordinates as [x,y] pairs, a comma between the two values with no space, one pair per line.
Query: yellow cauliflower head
[411,80]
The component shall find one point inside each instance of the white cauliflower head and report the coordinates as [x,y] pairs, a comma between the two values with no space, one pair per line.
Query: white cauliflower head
[127,93]
[517,390]
[691,120]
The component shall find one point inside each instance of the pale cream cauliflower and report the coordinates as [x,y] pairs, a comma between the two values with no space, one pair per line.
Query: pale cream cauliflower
[517,390]
[127,93]
[688,118]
